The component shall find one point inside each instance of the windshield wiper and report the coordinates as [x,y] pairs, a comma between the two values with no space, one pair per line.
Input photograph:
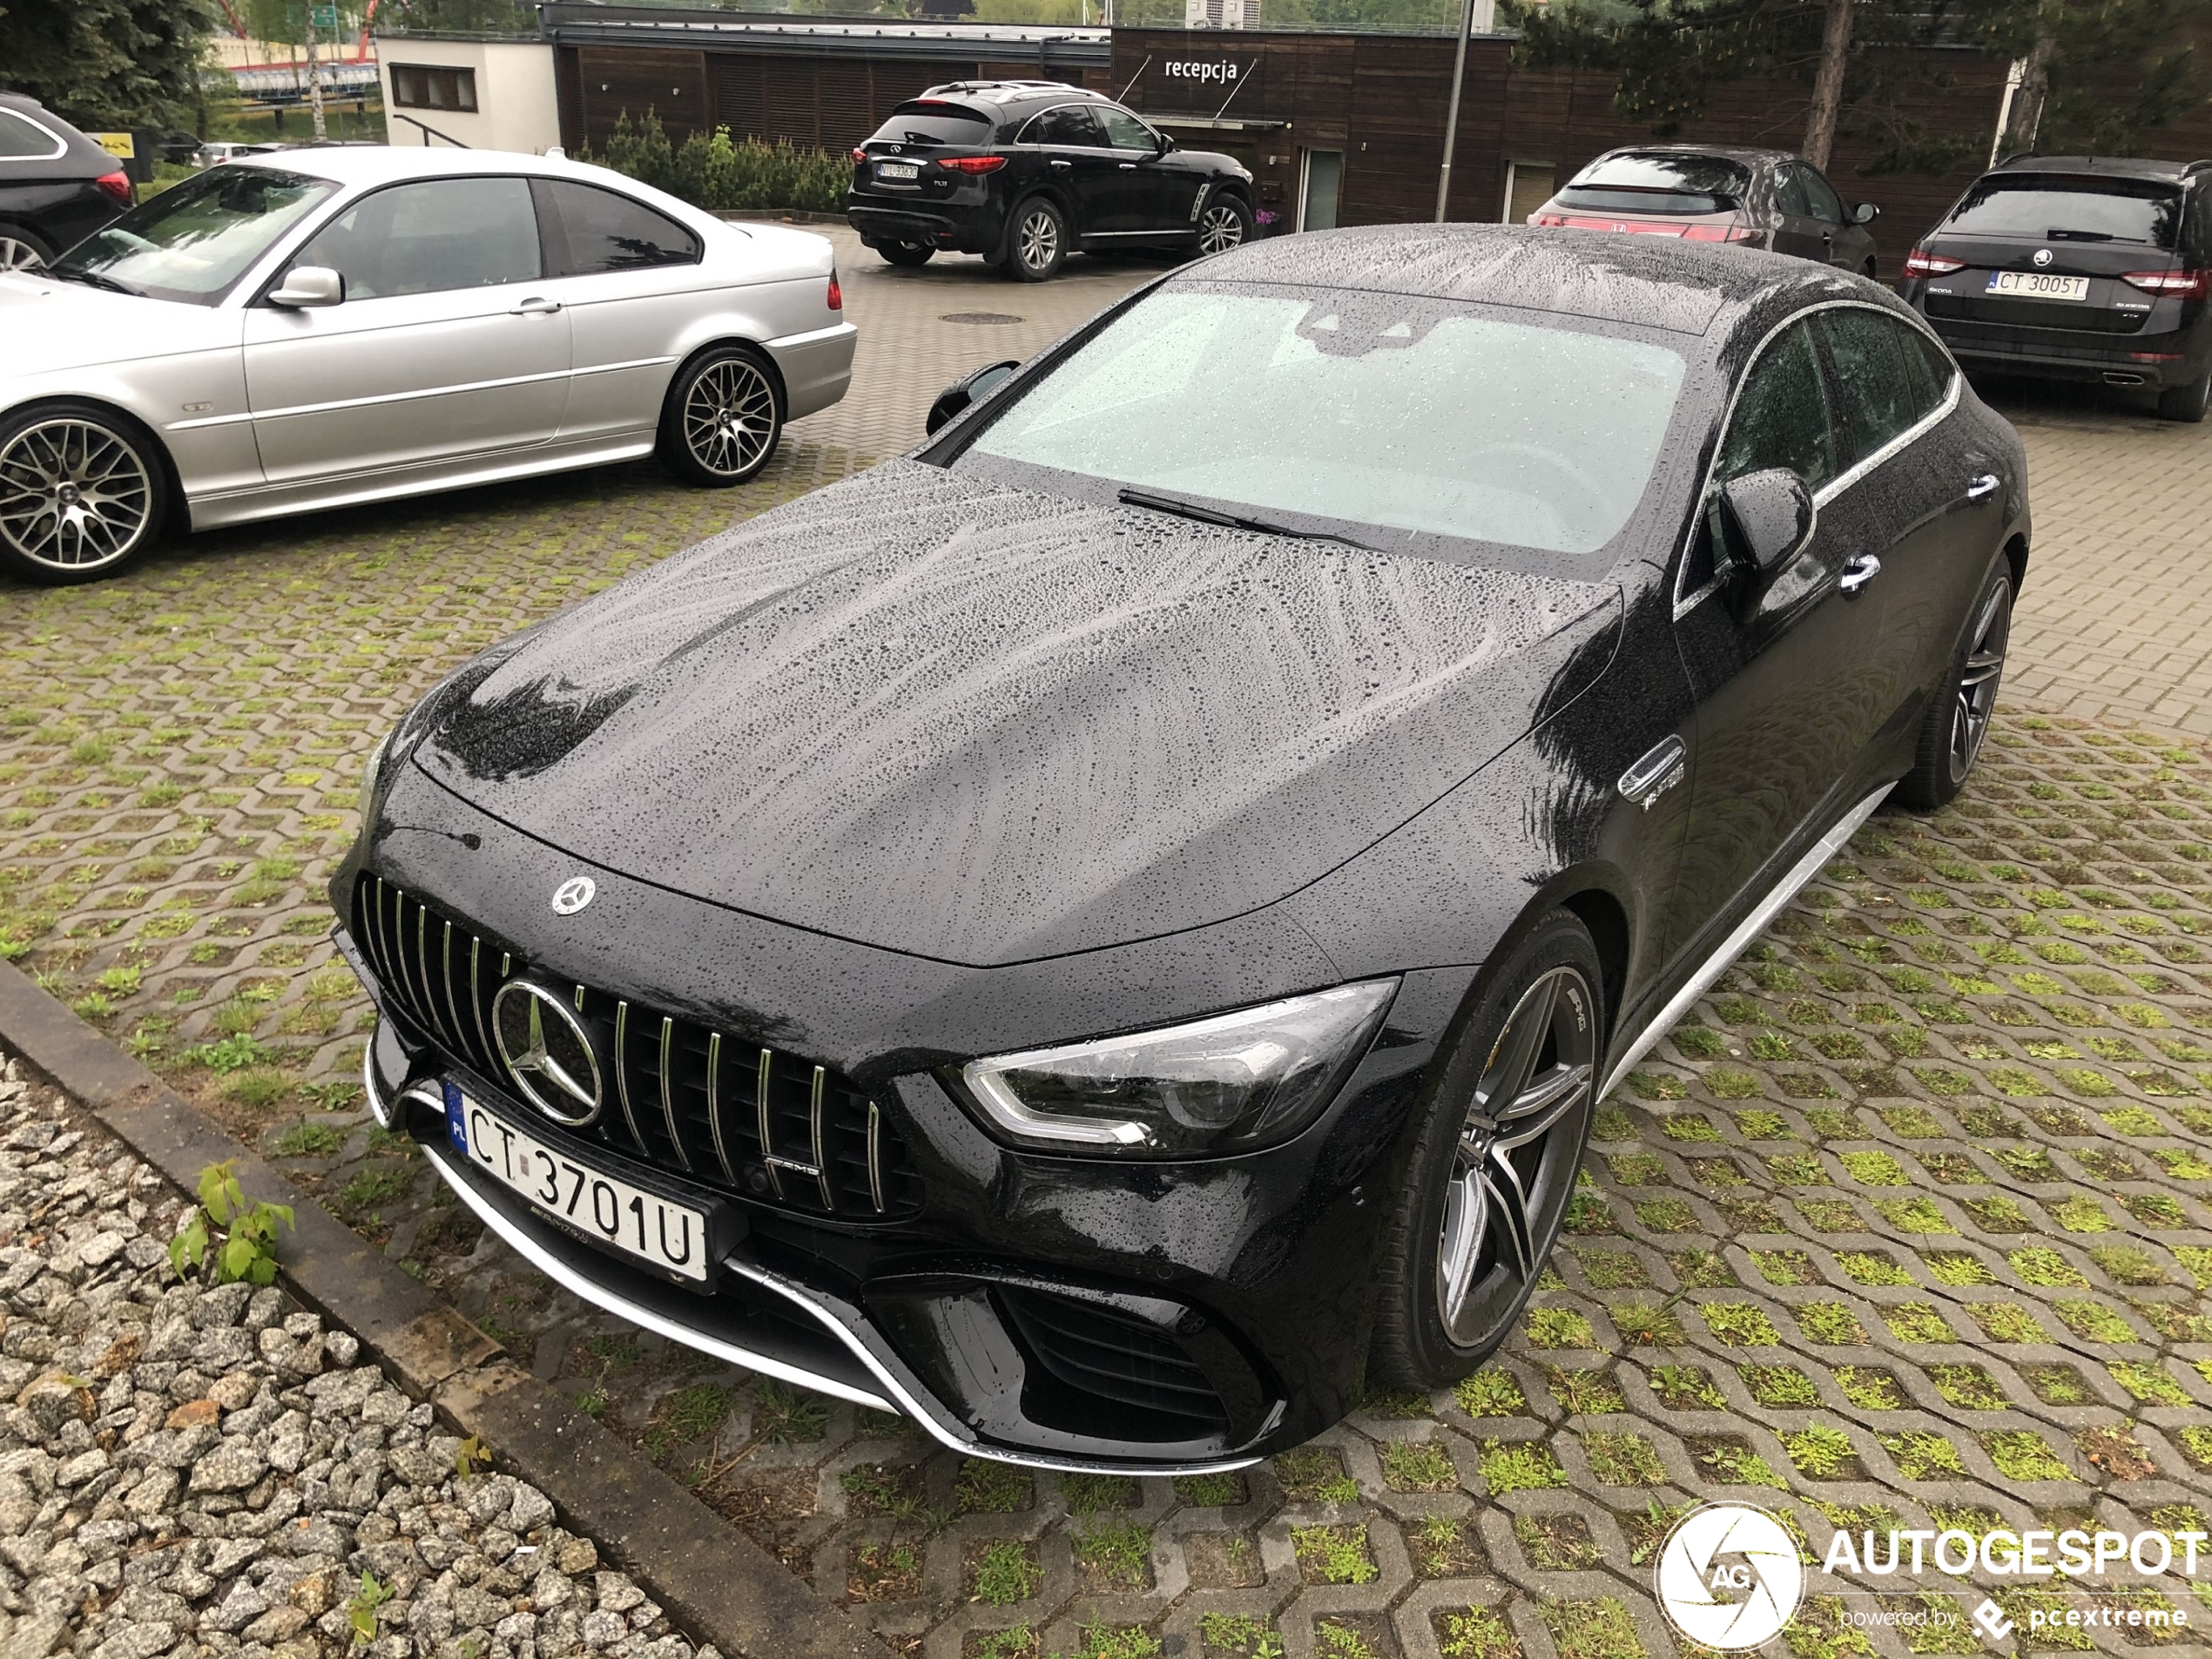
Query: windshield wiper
[94,279]
[1183,509]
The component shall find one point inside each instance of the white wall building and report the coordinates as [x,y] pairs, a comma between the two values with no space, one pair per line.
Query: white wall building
[480,94]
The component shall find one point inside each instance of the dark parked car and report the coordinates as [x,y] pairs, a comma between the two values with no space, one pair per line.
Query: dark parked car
[56,186]
[1025,172]
[1765,199]
[1106,933]
[2077,268]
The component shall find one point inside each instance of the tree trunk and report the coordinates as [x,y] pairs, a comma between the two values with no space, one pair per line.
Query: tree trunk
[2029,98]
[1828,84]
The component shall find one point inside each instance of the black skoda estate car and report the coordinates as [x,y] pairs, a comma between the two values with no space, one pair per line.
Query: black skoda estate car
[1106,933]
[2079,268]
[1026,172]
[1707,192]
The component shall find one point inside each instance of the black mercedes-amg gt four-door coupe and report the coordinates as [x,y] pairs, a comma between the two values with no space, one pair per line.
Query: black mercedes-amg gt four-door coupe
[1105,934]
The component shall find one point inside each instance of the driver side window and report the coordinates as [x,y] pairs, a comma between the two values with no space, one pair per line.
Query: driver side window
[1781,418]
[1124,131]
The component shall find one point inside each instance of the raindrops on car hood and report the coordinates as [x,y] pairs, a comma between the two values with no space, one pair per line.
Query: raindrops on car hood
[986,725]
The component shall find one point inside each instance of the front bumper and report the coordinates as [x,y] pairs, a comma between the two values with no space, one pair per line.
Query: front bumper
[989,1293]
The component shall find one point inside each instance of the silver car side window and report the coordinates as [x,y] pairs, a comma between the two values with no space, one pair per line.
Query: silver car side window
[431,237]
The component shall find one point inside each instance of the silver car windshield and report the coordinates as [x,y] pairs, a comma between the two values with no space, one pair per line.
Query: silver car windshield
[1369,408]
[194,240]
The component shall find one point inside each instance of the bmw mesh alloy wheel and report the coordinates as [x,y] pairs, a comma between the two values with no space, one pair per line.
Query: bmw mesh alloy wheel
[78,497]
[1220,229]
[1513,1167]
[725,418]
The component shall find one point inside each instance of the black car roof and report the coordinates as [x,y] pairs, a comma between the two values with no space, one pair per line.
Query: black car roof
[1000,96]
[1657,281]
[2105,166]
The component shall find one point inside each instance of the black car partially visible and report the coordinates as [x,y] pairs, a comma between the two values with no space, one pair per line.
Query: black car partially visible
[1025,172]
[56,186]
[2077,268]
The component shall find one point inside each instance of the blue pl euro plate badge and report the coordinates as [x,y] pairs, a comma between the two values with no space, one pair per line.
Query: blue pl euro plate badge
[456,1126]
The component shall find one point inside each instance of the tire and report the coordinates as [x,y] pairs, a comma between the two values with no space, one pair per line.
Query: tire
[1535,1037]
[1036,241]
[2187,403]
[723,417]
[1957,721]
[20,250]
[83,493]
[906,254]
[1225,224]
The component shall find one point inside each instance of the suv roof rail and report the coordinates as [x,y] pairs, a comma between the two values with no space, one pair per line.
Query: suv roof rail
[995,85]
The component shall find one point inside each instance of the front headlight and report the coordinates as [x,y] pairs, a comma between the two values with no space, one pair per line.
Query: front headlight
[372,773]
[1223,1084]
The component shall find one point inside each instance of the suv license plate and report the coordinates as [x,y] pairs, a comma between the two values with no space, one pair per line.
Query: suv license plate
[640,1223]
[905,171]
[2034,285]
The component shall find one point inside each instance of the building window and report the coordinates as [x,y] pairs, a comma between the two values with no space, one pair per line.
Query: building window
[1529,186]
[434,86]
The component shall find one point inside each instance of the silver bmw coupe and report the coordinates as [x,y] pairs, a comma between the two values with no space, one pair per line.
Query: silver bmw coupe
[323,327]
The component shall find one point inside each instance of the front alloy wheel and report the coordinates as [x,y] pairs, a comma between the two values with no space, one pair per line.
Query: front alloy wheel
[1957,723]
[1222,226]
[723,419]
[1513,1167]
[80,497]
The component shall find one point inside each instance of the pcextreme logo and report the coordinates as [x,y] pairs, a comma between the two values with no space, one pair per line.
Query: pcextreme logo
[1728,1576]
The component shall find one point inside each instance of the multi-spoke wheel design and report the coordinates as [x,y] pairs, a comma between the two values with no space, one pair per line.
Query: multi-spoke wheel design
[77,497]
[1222,226]
[19,254]
[1974,697]
[1514,1167]
[1038,241]
[723,418]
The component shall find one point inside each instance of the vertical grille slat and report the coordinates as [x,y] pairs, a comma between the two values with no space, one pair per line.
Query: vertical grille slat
[804,1120]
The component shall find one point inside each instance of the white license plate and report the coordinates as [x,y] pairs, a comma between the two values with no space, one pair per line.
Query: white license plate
[670,1236]
[903,171]
[2034,285]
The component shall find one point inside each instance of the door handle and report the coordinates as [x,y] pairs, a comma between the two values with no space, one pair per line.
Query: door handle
[1859,572]
[1058,163]
[1128,166]
[1660,768]
[536,308]
[1983,487]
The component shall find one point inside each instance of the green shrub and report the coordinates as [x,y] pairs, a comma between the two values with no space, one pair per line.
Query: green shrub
[719,172]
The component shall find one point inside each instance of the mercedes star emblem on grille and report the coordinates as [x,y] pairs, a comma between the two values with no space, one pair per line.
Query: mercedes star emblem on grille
[548,1053]
[573,894]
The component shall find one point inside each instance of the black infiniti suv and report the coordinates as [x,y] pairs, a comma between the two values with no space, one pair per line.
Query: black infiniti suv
[1022,171]
[2077,268]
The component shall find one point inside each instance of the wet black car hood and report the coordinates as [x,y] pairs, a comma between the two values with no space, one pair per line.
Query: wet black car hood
[986,725]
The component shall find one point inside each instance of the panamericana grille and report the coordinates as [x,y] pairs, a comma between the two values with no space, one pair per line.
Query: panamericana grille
[1117,1356]
[715,1110]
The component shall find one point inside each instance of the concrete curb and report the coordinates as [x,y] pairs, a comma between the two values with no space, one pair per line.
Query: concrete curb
[776,216]
[713,1579]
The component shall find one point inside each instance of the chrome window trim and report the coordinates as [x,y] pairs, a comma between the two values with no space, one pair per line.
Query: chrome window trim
[1686,603]
[60,143]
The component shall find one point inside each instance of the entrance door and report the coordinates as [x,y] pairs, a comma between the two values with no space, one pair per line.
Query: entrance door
[445,344]
[1792,689]
[1318,182]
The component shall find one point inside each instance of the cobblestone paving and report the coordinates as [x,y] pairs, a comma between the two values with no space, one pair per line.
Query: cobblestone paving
[1908,1220]
[203,1472]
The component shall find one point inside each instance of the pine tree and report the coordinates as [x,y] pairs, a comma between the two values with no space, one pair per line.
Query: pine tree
[106,65]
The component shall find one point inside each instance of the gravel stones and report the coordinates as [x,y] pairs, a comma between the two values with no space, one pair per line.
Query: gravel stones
[198,1472]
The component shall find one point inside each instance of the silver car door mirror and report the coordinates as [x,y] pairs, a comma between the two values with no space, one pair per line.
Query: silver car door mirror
[309,285]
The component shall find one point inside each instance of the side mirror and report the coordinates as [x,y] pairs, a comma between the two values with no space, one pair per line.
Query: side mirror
[1769,517]
[1864,213]
[966,393]
[310,284]
[1166,144]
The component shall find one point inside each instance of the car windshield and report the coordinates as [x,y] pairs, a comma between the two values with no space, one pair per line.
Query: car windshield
[194,240]
[1364,409]
[1659,184]
[934,124]
[2071,209]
